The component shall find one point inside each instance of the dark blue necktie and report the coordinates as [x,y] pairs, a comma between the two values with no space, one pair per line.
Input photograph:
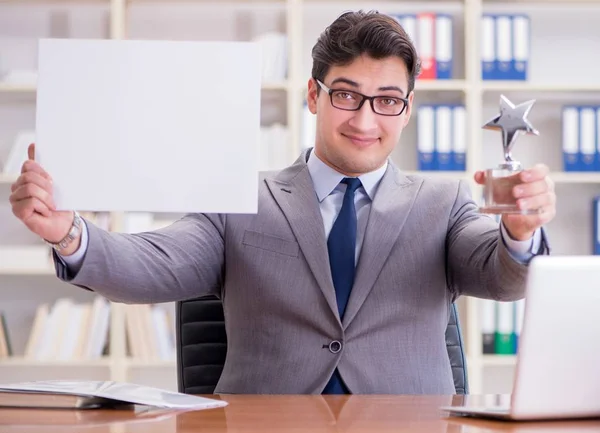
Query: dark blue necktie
[341,246]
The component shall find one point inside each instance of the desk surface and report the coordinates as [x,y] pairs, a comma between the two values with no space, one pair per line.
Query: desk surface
[281,414]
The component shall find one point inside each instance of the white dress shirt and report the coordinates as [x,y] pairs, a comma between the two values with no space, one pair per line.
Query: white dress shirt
[330,192]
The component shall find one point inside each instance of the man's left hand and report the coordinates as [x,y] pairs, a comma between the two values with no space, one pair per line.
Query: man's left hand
[535,192]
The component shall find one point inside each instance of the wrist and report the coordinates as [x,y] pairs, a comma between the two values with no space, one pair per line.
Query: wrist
[72,240]
[516,234]
[72,247]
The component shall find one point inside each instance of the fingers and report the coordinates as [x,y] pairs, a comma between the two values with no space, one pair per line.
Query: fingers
[479,177]
[33,166]
[31,151]
[35,178]
[540,201]
[33,191]
[24,209]
[537,172]
[537,187]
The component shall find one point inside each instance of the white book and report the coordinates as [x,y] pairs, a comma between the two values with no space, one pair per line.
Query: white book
[160,334]
[98,330]
[505,317]
[488,316]
[54,330]
[519,316]
[70,336]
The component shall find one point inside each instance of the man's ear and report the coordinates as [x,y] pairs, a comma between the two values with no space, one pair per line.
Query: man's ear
[409,108]
[311,96]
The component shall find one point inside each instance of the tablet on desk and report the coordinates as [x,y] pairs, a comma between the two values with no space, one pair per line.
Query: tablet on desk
[558,362]
[49,400]
[85,394]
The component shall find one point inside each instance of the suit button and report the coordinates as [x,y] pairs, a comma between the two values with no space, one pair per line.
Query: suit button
[335,346]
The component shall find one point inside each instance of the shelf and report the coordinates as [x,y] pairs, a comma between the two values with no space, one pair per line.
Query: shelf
[41,271]
[276,85]
[16,88]
[499,360]
[575,177]
[438,85]
[6,178]
[500,86]
[222,2]
[19,361]
[19,88]
[137,363]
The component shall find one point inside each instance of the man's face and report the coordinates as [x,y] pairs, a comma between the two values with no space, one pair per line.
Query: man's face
[356,142]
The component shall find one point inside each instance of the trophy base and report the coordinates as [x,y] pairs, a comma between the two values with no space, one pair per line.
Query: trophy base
[498,190]
[499,210]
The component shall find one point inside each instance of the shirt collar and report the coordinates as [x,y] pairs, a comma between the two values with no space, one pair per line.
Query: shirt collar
[326,179]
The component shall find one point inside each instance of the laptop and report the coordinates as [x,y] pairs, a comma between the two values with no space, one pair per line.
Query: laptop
[558,362]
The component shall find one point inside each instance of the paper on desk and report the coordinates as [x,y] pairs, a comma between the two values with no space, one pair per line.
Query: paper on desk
[120,391]
[156,126]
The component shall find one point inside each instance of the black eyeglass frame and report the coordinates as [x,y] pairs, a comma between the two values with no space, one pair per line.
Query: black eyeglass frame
[371,99]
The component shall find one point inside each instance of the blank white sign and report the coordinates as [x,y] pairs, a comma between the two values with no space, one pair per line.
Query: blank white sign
[155,126]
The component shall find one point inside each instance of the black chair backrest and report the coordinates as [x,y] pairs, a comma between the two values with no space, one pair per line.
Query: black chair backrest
[202,346]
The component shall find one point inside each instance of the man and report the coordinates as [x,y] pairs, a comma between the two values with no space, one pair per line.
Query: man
[342,282]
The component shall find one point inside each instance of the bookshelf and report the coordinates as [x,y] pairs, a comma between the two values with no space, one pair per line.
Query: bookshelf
[551,82]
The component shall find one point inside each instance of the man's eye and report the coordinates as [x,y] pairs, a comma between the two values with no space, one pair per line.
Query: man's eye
[344,95]
[389,101]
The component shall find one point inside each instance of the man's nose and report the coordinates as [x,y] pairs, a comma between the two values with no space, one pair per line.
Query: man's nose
[365,118]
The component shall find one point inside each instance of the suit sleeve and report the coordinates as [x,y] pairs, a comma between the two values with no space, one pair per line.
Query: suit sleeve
[178,262]
[478,261]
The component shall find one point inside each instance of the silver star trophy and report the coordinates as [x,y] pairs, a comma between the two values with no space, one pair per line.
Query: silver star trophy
[500,181]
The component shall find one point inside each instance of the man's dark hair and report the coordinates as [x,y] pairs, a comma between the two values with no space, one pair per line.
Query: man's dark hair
[353,34]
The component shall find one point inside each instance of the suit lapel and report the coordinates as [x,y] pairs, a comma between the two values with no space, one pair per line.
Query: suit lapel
[390,209]
[294,192]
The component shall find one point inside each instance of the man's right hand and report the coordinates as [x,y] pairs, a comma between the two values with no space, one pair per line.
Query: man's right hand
[33,203]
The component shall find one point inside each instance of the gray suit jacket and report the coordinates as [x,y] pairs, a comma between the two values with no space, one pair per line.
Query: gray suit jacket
[425,245]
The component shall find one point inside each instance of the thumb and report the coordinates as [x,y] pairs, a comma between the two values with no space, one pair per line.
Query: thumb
[479,177]
[31,151]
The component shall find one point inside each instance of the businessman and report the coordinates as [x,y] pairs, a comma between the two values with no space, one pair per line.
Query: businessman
[343,280]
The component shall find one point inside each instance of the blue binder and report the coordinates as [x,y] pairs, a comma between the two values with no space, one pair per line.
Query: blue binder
[570,137]
[489,65]
[443,46]
[587,138]
[426,137]
[596,224]
[520,46]
[443,137]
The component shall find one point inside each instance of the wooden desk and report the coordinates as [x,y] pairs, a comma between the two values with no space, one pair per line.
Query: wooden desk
[281,414]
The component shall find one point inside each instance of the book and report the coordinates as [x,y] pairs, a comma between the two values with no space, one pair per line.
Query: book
[82,394]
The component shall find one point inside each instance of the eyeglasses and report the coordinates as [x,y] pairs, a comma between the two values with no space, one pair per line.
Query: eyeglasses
[353,101]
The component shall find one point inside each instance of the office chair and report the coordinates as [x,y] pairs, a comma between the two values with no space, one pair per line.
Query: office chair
[202,346]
